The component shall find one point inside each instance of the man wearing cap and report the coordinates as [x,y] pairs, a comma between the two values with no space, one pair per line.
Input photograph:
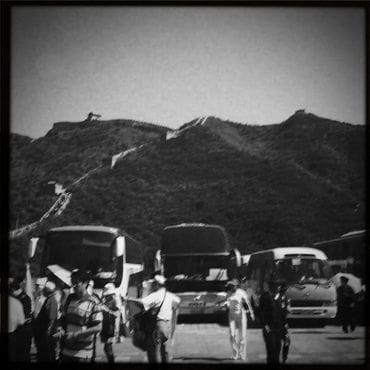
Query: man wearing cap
[346,304]
[238,302]
[81,321]
[164,303]
[271,320]
[45,325]
[111,311]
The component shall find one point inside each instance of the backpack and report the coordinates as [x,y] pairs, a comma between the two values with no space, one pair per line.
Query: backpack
[143,327]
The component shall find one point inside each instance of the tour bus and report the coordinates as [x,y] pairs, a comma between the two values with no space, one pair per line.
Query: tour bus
[110,254]
[307,273]
[346,253]
[197,261]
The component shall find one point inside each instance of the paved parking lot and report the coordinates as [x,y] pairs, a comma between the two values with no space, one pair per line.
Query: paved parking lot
[209,343]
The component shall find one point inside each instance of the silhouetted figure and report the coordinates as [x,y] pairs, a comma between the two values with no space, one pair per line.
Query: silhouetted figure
[91,116]
[272,321]
[346,304]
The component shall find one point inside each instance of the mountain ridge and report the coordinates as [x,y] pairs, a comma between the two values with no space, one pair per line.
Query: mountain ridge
[291,183]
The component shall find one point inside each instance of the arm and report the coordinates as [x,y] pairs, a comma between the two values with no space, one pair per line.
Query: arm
[52,313]
[138,301]
[247,301]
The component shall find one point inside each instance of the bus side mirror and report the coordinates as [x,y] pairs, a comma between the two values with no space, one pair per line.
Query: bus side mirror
[32,247]
[120,246]
[157,261]
[237,256]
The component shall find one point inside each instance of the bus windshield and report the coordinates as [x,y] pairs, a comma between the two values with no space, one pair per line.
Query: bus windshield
[199,268]
[88,250]
[295,270]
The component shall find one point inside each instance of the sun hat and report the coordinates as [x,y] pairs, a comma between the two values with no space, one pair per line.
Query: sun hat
[109,289]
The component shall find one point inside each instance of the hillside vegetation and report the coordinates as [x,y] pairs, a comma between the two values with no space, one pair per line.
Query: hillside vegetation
[292,183]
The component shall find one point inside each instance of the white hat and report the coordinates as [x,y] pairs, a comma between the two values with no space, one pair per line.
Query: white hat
[160,279]
[109,289]
[49,285]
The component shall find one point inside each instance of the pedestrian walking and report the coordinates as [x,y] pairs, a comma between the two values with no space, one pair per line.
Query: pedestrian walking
[81,321]
[284,335]
[46,325]
[16,320]
[271,320]
[163,304]
[346,304]
[238,303]
[111,314]
[23,345]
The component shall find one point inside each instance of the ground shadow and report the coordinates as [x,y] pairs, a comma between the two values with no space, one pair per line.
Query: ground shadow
[344,338]
[201,359]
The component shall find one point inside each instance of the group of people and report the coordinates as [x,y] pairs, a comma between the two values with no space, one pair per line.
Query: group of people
[64,327]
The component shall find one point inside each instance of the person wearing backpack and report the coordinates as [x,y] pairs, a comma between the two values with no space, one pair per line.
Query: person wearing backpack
[163,305]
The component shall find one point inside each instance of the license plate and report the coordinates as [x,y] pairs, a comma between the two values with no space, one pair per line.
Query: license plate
[196,304]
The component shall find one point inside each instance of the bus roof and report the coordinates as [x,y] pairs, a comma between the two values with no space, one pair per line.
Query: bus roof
[106,229]
[352,235]
[282,252]
[97,228]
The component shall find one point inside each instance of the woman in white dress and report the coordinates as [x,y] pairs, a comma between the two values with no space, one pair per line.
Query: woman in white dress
[238,303]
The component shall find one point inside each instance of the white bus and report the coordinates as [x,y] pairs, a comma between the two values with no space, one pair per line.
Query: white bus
[110,254]
[306,272]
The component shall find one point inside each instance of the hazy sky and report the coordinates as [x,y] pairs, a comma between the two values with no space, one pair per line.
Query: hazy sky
[169,65]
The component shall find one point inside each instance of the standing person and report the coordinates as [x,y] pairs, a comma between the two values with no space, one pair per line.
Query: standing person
[238,303]
[111,313]
[283,304]
[16,321]
[81,321]
[346,304]
[271,320]
[24,345]
[165,304]
[39,296]
[45,325]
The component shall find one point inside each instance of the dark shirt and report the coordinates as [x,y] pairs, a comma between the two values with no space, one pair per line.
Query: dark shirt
[46,320]
[27,305]
[270,311]
[345,296]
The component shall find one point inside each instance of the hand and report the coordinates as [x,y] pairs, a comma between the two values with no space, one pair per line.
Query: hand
[253,317]
[59,334]
[70,338]
[267,328]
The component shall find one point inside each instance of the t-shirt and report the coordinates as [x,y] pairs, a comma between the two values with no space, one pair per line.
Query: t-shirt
[15,314]
[81,314]
[235,302]
[155,299]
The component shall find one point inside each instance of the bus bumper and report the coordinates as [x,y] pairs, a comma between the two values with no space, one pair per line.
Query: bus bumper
[312,312]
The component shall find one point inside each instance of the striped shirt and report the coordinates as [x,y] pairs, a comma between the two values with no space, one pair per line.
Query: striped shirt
[81,314]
